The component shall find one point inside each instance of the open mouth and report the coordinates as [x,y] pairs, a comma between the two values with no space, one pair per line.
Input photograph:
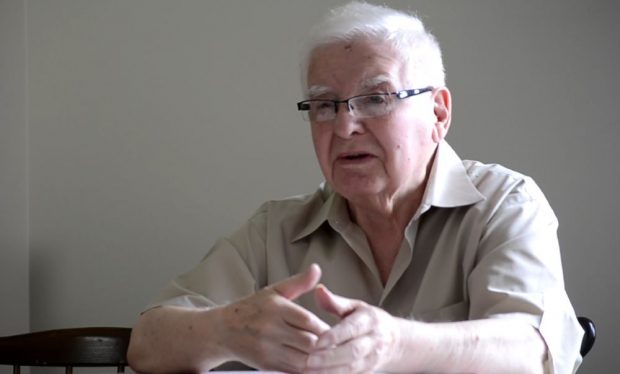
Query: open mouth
[357,156]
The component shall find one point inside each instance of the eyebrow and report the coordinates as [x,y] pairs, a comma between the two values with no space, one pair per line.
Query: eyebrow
[376,81]
[318,90]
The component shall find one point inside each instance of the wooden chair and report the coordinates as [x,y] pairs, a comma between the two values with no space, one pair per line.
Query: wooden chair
[69,348]
[589,335]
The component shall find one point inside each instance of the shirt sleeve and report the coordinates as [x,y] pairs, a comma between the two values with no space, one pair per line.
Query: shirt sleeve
[210,283]
[518,274]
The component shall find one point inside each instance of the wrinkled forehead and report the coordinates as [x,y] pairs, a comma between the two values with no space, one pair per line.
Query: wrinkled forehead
[347,67]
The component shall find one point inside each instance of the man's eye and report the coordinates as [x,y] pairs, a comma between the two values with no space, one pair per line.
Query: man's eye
[321,105]
[375,99]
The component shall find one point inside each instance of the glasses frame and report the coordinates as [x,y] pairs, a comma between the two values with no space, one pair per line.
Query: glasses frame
[305,105]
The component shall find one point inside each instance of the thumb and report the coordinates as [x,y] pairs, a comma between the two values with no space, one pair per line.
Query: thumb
[297,285]
[332,303]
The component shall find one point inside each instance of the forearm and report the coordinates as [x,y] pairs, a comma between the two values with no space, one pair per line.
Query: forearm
[480,346]
[174,339]
[265,330]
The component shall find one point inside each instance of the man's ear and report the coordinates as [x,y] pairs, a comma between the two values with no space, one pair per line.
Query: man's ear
[442,101]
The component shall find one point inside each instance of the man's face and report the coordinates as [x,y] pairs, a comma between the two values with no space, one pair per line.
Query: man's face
[385,157]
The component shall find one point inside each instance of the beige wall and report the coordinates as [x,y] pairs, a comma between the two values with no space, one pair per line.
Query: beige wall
[156,126]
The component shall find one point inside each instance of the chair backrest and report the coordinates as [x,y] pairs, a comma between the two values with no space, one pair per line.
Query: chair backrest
[589,335]
[69,348]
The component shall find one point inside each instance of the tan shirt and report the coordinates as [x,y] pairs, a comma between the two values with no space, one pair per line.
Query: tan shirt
[483,244]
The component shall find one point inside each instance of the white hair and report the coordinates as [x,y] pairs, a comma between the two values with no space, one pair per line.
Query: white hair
[404,32]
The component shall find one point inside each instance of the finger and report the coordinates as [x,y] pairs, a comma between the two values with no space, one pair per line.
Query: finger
[302,341]
[281,358]
[290,361]
[350,353]
[333,303]
[299,327]
[300,318]
[299,284]
[353,326]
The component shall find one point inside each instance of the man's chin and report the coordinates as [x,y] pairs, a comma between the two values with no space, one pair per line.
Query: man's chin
[358,190]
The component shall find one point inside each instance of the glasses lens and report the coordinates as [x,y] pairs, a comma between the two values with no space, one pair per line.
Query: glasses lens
[375,105]
[305,115]
[322,110]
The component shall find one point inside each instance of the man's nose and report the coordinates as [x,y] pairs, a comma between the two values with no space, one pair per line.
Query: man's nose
[346,124]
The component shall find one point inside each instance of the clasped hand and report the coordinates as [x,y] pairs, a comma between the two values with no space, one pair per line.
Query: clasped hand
[267,330]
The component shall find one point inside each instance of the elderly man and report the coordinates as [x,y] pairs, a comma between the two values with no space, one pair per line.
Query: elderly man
[426,262]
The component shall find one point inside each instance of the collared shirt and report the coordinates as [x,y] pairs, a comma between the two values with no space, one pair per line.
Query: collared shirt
[483,244]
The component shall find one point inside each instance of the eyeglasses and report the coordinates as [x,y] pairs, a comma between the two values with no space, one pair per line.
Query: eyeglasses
[361,106]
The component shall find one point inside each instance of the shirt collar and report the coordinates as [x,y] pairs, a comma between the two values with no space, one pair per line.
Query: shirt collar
[316,218]
[448,186]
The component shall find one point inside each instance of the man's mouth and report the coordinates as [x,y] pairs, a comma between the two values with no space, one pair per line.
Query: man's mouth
[356,156]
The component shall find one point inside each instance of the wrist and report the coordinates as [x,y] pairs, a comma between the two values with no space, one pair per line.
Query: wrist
[397,351]
[406,353]
[221,342]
